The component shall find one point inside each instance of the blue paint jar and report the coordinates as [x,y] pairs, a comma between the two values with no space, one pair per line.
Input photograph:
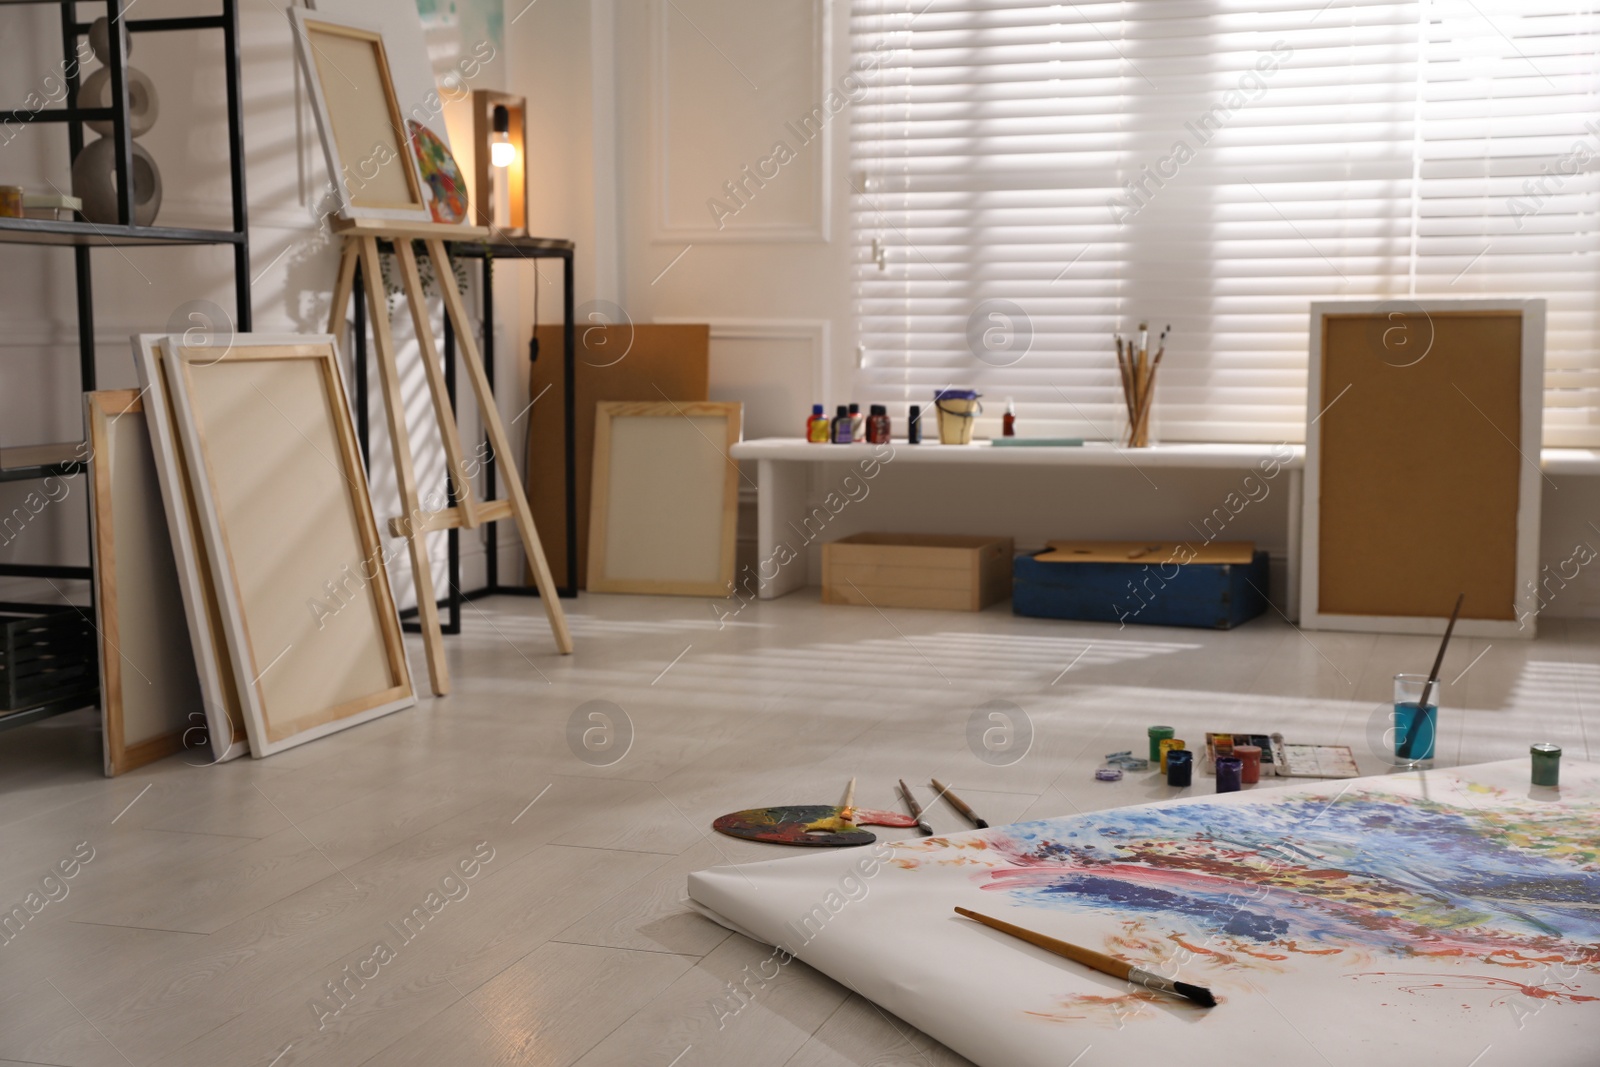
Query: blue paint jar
[1180,766]
[1229,770]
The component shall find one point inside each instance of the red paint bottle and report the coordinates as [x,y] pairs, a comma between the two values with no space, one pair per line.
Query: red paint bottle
[1008,422]
[878,425]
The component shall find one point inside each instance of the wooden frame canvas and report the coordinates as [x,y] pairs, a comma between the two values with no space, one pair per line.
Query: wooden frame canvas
[363,131]
[223,718]
[1423,480]
[664,499]
[148,683]
[294,547]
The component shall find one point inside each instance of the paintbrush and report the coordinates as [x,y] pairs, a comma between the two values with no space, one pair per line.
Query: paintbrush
[1101,962]
[1438,661]
[847,810]
[915,808]
[960,805]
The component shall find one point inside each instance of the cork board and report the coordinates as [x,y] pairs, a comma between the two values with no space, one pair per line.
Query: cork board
[665,498]
[148,684]
[1422,465]
[294,547]
[613,362]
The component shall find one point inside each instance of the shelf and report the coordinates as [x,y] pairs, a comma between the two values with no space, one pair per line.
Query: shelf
[11,719]
[41,461]
[53,232]
[982,453]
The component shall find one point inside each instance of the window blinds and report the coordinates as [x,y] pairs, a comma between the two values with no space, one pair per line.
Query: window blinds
[1031,178]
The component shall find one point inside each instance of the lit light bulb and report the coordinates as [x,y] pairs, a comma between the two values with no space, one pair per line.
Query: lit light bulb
[502,153]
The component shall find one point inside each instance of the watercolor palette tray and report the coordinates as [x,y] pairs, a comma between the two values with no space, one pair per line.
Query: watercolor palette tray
[1405,919]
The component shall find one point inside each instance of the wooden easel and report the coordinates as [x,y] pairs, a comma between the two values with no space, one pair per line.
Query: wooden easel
[361,239]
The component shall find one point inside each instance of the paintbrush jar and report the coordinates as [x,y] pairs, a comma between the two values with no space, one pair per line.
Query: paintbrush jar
[1415,726]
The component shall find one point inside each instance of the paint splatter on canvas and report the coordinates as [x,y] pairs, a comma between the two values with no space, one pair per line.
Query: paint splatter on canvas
[1362,872]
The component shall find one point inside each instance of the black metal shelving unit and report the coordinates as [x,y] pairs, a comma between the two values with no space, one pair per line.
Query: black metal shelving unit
[83,236]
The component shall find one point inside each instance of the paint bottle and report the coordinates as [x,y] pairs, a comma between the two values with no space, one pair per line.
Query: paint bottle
[840,430]
[1157,735]
[914,426]
[1168,746]
[817,426]
[1249,757]
[1008,421]
[858,424]
[1546,764]
[1228,772]
[878,425]
[1180,767]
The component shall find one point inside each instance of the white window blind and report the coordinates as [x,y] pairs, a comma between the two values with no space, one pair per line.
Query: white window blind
[1216,165]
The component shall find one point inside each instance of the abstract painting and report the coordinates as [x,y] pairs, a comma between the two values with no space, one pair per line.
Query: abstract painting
[1414,918]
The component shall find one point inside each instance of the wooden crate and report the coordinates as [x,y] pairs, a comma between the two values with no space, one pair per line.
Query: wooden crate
[948,572]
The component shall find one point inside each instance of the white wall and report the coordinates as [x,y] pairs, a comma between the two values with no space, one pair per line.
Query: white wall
[700,89]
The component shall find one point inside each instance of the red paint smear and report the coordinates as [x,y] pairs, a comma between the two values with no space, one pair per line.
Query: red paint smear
[1482,981]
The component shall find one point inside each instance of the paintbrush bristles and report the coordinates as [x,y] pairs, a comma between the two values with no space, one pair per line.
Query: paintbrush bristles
[1137,371]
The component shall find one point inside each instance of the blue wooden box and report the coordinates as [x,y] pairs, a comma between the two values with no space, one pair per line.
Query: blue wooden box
[1213,596]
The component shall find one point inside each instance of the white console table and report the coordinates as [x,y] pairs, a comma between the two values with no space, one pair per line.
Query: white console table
[783,485]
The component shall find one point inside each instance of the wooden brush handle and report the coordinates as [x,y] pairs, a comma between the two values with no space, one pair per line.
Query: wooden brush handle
[1087,956]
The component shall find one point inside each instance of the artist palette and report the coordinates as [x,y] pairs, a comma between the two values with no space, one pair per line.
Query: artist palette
[814,825]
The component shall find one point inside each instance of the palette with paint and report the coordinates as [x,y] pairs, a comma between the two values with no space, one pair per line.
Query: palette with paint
[816,825]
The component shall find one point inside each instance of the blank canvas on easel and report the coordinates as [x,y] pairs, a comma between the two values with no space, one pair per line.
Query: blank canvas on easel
[369,155]
[148,685]
[295,552]
[665,498]
[1422,465]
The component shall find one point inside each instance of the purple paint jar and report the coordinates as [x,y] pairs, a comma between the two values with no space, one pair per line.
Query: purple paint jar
[1229,770]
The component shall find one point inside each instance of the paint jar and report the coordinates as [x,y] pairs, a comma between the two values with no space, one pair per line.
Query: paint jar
[1249,757]
[878,425]
[1228,772]
[1546,764]
[11,201]
[1157,735]
[1415,726]
[1180,767]
[914,425]
[1169,745]
[957,410]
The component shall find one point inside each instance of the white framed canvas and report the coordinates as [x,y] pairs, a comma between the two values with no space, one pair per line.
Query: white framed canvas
[296,557]
[223,725]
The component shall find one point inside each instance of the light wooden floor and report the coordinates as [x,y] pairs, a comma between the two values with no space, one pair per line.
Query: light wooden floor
[221,901]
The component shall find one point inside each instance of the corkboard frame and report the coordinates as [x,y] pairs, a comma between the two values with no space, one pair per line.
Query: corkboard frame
[147,688]
[352,137]
[1519,556]
[300,478]
[224,726]
[664,452]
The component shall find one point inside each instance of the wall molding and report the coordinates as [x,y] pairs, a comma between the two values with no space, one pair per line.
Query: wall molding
[818,332]
[818,229]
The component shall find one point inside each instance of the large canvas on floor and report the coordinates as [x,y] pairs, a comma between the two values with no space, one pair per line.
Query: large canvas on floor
[1400,920]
